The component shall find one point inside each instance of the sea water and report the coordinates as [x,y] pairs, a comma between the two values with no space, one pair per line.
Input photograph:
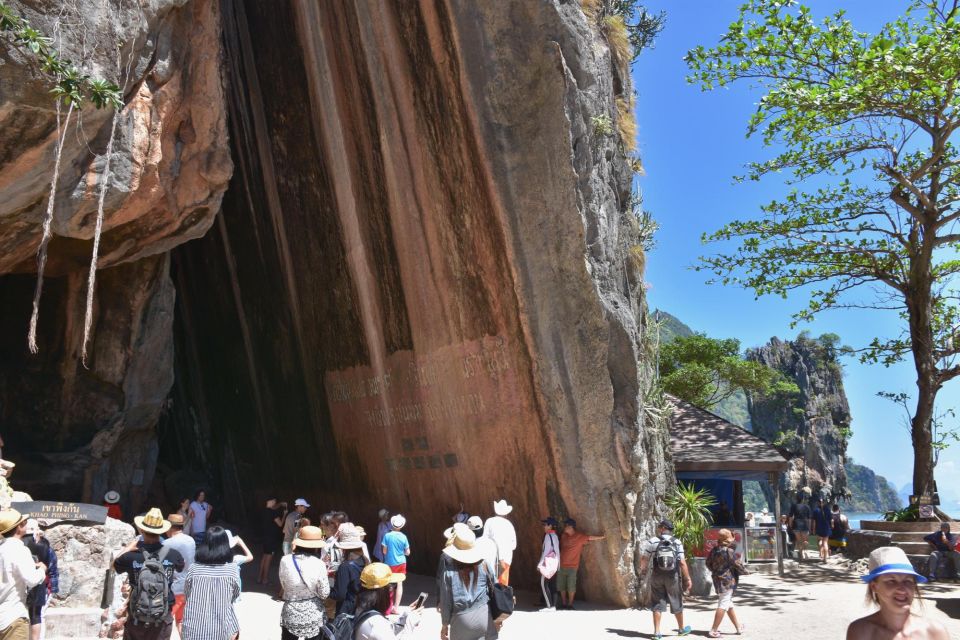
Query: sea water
[855,518]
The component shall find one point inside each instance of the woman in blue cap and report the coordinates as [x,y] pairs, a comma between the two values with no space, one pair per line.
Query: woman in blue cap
[892,586]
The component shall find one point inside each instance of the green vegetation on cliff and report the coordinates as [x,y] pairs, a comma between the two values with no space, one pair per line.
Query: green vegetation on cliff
[871,493]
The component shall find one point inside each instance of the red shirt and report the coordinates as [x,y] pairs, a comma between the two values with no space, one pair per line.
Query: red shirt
[571,546]
[113,511]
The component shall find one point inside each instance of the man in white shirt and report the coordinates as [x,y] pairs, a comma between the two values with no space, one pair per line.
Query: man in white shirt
[18,574]
[187,546]
[501,531]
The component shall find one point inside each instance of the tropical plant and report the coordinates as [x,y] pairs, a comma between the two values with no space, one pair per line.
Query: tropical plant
[690,514]
[907,514]
[867,123]
[705,371]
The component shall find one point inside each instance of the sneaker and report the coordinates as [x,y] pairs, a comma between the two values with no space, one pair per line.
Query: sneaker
[685,631]
[658,636]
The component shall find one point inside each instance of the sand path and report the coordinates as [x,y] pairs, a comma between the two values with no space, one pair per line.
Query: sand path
[813,602]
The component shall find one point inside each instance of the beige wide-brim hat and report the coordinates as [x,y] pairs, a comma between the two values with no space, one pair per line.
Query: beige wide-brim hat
[502,508]
[463,547]
[450,531]
[350,538]
[152,522]
[309,537]
[10,519]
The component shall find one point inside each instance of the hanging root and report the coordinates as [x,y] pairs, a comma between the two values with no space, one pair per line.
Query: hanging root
[92,277]
[47,221]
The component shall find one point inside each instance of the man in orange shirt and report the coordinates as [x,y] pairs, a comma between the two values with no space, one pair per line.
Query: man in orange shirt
[571,546]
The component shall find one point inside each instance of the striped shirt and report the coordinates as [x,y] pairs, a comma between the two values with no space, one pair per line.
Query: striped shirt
[210,591]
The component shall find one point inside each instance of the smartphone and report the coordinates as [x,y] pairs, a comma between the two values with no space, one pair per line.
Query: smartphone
[419,601]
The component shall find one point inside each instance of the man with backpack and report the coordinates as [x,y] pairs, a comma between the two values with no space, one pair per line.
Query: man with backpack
[665,554]
[149,566]
[572,543]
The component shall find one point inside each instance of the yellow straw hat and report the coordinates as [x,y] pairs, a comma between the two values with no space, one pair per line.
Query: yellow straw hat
[152,522]
[377,575]
[10,519]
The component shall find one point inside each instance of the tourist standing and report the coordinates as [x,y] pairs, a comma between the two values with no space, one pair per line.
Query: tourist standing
[943,545]
[786,536]
[464,592]
[149,566]
[111,500]
[184,510]
[821,526]
[200,515]
[892,586]
[303,578]
[186,546]
[383,528]
[19,573]
[839,526]
[571,547]
[38,597]
[501,531]
[549,561]
[291,524]
[346,584]
[211,586]
[800,525]
[665,554]
[487,546]
[270,523]
[396,549]
[726,569]
[377,583]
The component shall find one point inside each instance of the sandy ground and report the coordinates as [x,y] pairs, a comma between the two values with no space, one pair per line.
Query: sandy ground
[815,601]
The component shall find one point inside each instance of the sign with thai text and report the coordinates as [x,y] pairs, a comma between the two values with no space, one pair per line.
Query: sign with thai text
[73,511]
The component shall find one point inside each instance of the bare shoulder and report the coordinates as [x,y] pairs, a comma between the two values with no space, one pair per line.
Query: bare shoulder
[864,628]
[932,629]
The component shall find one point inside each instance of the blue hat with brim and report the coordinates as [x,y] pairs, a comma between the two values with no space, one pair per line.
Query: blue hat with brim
[890,560]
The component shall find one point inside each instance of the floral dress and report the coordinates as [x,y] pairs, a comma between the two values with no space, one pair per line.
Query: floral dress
[305,587]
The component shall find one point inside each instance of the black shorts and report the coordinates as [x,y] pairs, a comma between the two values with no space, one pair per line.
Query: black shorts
[271,546]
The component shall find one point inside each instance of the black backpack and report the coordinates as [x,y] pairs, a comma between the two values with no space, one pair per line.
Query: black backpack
[345,625]
[665,557]
[150,597]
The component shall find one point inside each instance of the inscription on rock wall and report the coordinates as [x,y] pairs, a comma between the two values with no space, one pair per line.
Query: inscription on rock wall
[423,398]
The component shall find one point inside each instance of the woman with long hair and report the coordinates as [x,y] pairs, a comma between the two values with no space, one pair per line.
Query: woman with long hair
[726,569]
[184,510]
[464,610]
[892,588]
[377,582]
[303,578]
[346,583]
[201,515]
[211,587]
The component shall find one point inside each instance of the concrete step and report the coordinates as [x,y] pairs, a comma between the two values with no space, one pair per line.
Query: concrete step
[918,548]
[910,536]
[899,527]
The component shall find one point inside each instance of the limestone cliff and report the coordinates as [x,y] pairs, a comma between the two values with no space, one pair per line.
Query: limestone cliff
[869,492]
[75,431]
[417,293]
[813,424]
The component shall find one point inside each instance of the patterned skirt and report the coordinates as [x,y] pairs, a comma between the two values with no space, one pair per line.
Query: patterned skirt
[302,618]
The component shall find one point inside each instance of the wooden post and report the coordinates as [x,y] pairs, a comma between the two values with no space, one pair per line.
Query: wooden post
[774,480]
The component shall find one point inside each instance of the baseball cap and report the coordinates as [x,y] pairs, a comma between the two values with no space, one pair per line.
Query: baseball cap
[550,520]
[666,524]
[570,521]
[300,502]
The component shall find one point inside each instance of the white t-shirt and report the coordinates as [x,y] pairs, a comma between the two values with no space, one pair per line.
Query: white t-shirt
[501,531]
[199,523]
[380,628]
[653,543]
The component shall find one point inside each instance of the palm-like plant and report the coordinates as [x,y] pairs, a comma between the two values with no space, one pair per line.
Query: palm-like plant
[690,511]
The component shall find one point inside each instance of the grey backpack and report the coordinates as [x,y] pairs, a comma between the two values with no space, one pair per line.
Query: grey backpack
[150,596]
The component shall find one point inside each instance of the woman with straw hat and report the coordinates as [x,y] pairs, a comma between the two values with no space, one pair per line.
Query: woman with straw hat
[726,569]
[892,587]
[464,612]
[346,584]
[303,577]
[378,583]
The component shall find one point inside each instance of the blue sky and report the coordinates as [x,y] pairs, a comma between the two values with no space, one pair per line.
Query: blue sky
[692,144]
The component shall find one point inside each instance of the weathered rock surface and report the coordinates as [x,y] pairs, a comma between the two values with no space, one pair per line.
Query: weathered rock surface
[813,425]
[417,295]
[84,553]
[869,493]
[76,431]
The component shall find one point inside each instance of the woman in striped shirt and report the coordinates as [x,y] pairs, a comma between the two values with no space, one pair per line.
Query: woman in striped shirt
[212,585]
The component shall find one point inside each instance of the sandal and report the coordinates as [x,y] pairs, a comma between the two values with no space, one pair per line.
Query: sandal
[740,629]
[714,633]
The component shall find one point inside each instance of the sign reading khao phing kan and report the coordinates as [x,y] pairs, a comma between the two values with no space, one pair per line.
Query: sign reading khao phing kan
[72,511]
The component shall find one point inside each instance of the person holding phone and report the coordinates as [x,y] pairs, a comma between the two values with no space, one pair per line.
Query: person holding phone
[377,583]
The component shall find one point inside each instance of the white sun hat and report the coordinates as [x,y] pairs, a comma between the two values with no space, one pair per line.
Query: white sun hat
[889,560]
[502,508]
[398,521]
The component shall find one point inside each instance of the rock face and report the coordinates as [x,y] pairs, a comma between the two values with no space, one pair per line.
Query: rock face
[869,493]
[83,556]
[76,431]
[418,294]
[813,425]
